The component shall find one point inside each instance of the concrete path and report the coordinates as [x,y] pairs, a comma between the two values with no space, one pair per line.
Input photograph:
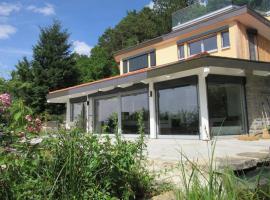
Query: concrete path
[239,154]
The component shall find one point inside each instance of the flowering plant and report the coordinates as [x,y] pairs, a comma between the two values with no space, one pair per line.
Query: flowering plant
[5,102]
[33,124]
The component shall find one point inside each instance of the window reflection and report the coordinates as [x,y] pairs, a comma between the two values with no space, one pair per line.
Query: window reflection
[106,115]
[132,106]
[178,111]
[78,114]
[225,108]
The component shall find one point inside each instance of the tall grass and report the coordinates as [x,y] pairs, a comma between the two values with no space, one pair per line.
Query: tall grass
[79,166]
[212,183]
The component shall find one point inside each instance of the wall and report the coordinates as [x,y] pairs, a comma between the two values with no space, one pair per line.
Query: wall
[263,49]
[257,93]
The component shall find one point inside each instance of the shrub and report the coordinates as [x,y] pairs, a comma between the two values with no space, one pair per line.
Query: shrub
[76,166]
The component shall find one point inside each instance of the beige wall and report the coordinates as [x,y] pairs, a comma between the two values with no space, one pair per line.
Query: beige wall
[167,51]
[263,48]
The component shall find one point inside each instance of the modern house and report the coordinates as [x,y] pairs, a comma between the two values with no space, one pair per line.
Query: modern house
[209,76]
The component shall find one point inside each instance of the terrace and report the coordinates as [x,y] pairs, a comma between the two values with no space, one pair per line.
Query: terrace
[204,9]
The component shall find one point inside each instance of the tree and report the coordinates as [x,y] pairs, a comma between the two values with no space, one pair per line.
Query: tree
[21,84]
[53,65]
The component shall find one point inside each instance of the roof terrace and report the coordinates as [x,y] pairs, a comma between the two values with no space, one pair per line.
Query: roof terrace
[208,8]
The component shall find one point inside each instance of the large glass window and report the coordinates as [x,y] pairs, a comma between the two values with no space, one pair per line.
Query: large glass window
[210,44]
[106,115]
[225,103]
[139,62]
[178,110]
[78,114]
[206,44]
[195,48]
[133,106]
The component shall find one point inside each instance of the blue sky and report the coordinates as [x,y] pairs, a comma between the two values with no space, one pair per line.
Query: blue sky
[85,20]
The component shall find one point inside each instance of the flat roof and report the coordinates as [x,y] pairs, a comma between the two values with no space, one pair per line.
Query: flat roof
[201,60]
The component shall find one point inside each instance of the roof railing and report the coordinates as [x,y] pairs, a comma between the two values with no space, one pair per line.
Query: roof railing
[203,8]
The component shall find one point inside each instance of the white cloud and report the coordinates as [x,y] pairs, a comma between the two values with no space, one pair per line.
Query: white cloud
[6,31]
[82,48]
[47,10]
[150,5]
[7,8]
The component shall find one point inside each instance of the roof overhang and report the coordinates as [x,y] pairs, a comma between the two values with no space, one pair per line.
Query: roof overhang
[126,80]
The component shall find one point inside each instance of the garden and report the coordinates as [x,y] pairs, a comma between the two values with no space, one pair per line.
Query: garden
[70,164]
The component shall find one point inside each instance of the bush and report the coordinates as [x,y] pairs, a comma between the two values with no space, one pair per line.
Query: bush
[75,166]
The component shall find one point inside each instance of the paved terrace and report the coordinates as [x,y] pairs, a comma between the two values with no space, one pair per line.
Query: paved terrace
[238,154]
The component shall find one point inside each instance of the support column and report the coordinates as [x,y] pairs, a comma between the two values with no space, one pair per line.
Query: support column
[68,109]
[204,121]
[90,115]
[152,111]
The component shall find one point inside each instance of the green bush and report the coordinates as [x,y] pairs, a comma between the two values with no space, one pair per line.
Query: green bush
[75,166]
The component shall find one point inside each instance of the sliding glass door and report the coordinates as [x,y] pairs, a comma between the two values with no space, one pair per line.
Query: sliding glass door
[178,112]
[122,110]
[106,115]
[226,105]
[132,106]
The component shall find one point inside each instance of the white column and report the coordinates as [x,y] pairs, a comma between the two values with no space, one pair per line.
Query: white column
[68,115]
[204,125]
[90,115]
[152,111]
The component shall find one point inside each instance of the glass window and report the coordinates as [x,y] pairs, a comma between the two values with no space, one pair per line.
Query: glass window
[225,108]
[210,43]
[195,48]
[252,46]
[178,111]
[138,62]
[132,106]
[106,115]
[181,51]
[125,66]
[153,58]
[225,39]
[76,111]
[78,114]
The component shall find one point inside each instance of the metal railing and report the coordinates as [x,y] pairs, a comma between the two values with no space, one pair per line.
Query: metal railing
[198,10]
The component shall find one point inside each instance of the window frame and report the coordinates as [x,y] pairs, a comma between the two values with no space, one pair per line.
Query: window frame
[119,100]
[201,40]
[150,63]
[178,50]
[222,41]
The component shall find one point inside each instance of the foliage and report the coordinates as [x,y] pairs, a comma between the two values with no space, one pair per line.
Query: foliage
[75,166]
[214,184]
[52,68]
[18,111]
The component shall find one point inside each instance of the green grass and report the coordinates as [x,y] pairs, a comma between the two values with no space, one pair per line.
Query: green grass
[211,183]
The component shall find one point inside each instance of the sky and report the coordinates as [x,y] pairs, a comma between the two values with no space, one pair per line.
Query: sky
[86,20]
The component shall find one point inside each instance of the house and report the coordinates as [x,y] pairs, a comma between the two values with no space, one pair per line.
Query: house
[209,76]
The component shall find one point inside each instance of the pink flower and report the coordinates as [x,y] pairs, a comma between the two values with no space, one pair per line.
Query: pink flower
[5,101]
[38,121]
[28,118]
